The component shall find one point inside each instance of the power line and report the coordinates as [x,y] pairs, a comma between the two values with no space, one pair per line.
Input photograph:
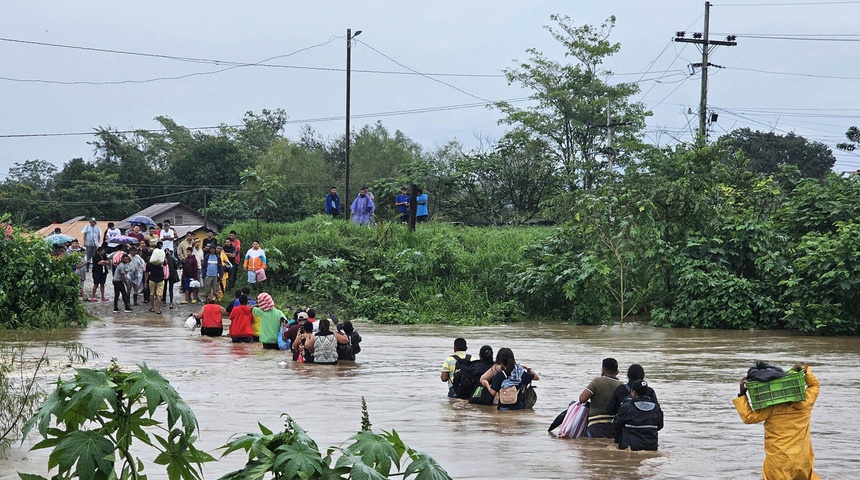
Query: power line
[306,120]
[678,54]
[794,74]
[423,75]
[231,64]
[798,38]
[785,4]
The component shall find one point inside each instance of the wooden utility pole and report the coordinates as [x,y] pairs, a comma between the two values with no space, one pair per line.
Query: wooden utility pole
[349,37]
[704,41]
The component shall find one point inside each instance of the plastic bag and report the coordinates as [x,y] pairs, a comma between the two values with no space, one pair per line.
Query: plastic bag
[191,322]
[261,274]
[194,284]
[763,372]
[575,421]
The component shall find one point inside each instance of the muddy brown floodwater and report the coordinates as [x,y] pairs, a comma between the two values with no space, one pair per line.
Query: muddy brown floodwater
[695,373]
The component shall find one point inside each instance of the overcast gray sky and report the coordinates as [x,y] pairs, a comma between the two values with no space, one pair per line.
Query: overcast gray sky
[474,37]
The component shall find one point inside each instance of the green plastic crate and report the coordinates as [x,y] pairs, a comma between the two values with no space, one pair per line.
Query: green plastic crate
[790,388]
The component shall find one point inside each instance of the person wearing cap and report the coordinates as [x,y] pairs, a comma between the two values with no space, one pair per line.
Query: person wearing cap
[639,419]
[293,334]
[362,208]
[269,321]
[787,446]
[599,392]
[92,239]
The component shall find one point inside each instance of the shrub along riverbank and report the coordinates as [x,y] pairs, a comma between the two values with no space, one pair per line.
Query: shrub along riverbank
[36,290]
[438,274]
[689,239]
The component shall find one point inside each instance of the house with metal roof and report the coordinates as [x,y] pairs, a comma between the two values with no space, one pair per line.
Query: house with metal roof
[182,217]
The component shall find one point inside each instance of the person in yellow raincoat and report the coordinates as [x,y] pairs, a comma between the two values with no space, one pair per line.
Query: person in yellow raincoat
[787,446]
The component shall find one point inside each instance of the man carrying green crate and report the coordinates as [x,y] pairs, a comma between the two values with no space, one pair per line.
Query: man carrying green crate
[787,446]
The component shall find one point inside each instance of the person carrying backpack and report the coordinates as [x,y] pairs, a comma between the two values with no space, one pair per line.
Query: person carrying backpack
[511,383]
[465,381]
[458,361]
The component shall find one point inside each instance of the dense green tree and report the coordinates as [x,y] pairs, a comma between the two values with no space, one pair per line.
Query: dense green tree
[570,101]
[376,154]
[853,136]
[768,151]
[36,174]
[98,194]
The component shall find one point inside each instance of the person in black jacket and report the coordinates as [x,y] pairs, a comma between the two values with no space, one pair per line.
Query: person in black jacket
[639,419]
[634,372]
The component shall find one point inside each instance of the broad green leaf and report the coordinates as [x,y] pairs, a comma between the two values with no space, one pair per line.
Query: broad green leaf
[374,450]
[87,451]
[358,470]
[424,467]
[243,442]
[158,390]
[29,476]
[94,390]
[298,461]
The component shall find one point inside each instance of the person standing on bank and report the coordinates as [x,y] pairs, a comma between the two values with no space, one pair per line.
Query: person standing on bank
[92,240]
[599,392]
[255,264]
[362,208]
[787,446]
[332,203]
[421,214]
[401,203]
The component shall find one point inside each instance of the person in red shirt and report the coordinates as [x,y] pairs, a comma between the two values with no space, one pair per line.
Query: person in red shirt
[241,319]
[135,232]
[210,316]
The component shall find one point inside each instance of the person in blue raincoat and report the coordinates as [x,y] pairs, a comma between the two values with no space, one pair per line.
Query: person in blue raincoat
[332,203]
[362,208]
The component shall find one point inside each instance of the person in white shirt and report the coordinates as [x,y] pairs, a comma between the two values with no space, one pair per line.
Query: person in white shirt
[111,232]
[167,235]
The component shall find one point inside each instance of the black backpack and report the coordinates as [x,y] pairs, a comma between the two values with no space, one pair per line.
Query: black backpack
[467,377]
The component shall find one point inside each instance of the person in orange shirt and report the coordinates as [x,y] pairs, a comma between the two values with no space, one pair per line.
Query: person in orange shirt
[255,264]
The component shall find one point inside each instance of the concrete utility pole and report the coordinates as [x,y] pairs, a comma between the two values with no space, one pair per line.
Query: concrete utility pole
[705,42]
[349,37]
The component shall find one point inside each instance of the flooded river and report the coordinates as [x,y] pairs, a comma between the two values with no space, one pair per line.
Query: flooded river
[695,373]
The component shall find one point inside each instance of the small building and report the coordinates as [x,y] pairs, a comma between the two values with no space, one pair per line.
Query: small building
[182,218]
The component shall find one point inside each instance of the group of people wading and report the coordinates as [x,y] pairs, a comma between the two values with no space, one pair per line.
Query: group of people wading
[629,412]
